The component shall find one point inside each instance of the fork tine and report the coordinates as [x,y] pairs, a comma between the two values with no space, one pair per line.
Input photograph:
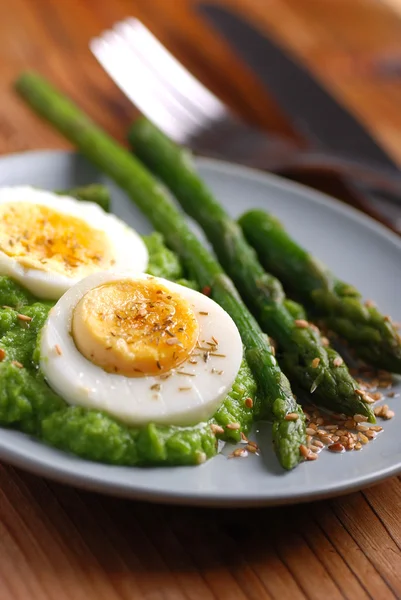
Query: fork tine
[190,89]
[144,90]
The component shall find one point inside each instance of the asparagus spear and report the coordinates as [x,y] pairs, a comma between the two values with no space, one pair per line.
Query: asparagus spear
[276,399]
[335,303]
[306,360]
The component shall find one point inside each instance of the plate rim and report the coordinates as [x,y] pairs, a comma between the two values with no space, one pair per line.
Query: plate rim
[48,468]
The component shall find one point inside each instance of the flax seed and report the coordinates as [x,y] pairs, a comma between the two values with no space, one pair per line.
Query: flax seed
[336,448]
[327,439]
[375,428]
[358,446]
[233,426]
[308,439]
[310,431]
[58,350]
[388,414]
[24,318]
[249,402]
[361,428]
[314,448]
[362,438]
[315,362]
[291,417]
[301,323]
[251,449]
[318,443]
[304,450]
[312,456]
[254,444]
[216,428]
[16,363]
[360,418]
[370,434]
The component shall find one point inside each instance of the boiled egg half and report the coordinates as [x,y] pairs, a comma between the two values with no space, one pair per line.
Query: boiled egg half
[49,242]
[140,348]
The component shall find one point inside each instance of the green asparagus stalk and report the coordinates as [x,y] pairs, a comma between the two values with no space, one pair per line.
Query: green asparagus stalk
[306,360]
[274,389]
[94,192]
[338,305]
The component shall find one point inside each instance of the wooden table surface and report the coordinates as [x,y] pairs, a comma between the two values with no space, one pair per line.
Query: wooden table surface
[60,543]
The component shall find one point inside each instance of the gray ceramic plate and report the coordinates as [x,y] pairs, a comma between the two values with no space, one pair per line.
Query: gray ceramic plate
[358,250]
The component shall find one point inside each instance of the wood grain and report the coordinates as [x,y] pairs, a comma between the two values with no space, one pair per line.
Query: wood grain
[58,542]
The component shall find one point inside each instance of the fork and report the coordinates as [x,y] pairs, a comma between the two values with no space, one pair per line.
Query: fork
[185,110]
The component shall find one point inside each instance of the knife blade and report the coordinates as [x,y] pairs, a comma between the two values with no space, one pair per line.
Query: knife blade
[322,121]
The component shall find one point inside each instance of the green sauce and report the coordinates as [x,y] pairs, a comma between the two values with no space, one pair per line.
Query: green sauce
[29,405]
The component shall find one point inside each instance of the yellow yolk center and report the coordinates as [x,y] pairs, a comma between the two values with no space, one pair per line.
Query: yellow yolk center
[41,238]
[134,328]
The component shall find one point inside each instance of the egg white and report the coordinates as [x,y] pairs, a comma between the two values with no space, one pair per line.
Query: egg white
[131,400]
[128,248]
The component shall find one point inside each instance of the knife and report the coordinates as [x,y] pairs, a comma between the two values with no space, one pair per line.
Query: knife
[314,113]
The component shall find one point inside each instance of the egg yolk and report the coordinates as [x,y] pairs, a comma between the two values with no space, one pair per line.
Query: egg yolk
[39,237]
[134,327]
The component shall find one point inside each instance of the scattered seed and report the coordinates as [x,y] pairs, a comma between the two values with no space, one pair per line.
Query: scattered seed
[389,414]
[368,399]
[312,456]
[370,434]
[233,426]
[308,439]
[248,402]
[362,438]
[185,373]
[206,290]
[350,424]
[336,447]
[318,443]
[216,428]
[331,427]
[24,318]
[360,392]
[314,448]
[319,421]
[238,453]
[392,395]
[335,438]
[16,363]
[301,323]
[360,418]
[361,428]
[310,431]
[338,361]
[358,446]
[251,449]
[304,450]
[254,444]
[315,362]
[313,426]
[376,396]
[375,428]
[291,417]
[321,432]
[58,350]
[243,437]
[172,341]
